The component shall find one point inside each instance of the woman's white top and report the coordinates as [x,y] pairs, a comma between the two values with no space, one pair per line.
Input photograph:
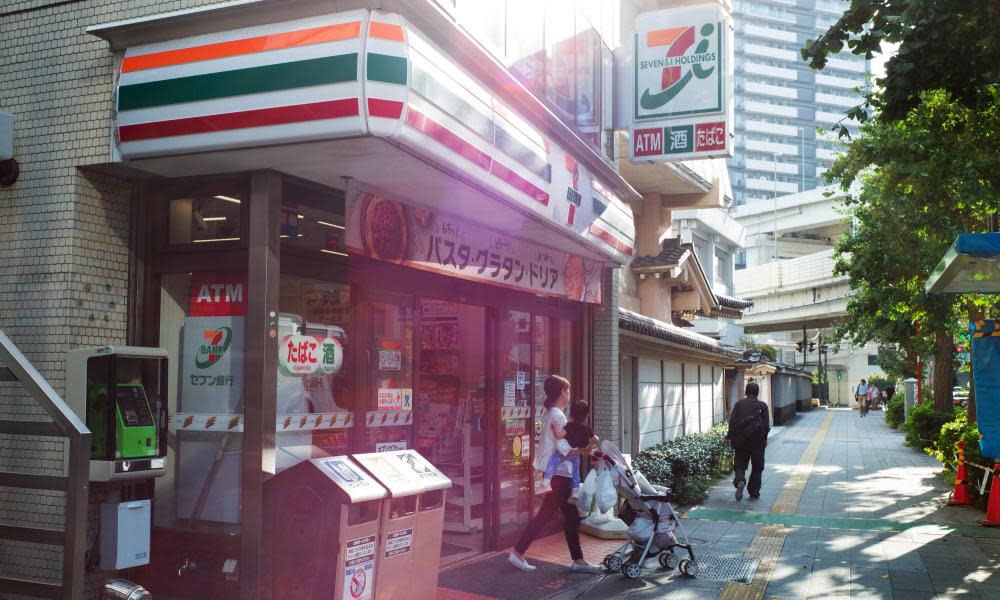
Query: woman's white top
[547,443]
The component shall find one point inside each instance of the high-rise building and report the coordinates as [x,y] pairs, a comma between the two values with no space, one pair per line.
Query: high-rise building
[780,101]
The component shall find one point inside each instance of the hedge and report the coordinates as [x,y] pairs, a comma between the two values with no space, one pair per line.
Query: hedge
[894,413]
[924,423]
[688,465]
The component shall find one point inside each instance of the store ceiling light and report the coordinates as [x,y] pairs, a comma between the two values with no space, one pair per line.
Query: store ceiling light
[334,225]
[213,219]
[228,239]
[229,199]
[334,252]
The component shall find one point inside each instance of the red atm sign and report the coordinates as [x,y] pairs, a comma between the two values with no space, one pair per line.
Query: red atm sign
[679,139]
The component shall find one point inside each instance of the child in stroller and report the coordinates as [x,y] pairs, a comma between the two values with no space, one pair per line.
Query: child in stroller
[652,522]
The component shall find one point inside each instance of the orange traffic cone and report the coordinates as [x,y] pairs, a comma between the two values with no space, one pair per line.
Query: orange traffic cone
[993,508]
[961,497]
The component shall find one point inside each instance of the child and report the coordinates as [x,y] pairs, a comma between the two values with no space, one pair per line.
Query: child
[576,434]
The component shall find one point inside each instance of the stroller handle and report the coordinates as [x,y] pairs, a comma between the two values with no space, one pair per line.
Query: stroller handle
[607,459]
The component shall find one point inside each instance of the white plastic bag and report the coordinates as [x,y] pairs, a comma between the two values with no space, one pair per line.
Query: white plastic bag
[607,497]
[587,491]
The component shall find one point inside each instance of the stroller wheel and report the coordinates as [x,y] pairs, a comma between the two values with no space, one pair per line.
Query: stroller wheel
[689,568]
[631,570]
[669,560]
[613,562]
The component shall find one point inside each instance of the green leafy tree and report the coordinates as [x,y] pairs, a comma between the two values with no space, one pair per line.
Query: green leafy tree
[923,180]
[950,45]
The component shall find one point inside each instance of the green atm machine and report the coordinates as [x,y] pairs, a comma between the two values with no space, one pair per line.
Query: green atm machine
[121,393]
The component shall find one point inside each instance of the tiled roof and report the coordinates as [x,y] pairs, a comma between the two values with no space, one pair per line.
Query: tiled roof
[644,325]
[733,302]
[668,257]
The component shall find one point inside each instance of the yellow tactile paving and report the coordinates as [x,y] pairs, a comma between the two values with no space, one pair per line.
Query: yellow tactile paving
[788,500]
[766,545]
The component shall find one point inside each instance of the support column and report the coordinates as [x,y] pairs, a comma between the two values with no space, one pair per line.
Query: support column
[261,373]
[606,362]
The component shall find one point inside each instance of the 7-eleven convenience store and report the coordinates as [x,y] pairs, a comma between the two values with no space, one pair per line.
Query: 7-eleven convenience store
[353,231]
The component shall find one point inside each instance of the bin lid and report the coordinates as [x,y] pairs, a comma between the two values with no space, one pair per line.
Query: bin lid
[403,472]
[358,485]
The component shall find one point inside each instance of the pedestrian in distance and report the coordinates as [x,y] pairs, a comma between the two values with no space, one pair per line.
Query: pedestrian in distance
[890,391]
[872,397]
[558,498]
[748,428]
[861,395]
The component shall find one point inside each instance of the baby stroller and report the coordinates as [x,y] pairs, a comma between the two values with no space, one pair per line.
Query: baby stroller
[650,518]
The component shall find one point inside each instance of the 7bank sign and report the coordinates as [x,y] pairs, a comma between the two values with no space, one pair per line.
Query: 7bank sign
[682,85]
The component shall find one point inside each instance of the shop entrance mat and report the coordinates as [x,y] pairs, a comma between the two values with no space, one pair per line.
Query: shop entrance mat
[494,577]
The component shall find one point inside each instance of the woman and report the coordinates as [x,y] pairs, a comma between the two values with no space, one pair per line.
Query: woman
[556,400]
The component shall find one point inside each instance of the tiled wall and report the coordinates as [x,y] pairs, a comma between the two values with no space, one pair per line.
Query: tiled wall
[64,228]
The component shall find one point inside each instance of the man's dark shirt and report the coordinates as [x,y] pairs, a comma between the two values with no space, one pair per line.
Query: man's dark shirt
[744,408]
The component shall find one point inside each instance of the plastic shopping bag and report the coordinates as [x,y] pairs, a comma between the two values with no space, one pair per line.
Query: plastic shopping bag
[607,497]
[587,491]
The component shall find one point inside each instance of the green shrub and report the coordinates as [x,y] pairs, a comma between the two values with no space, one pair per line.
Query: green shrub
[924,424]
[945,449]
[688,465]
[894,411]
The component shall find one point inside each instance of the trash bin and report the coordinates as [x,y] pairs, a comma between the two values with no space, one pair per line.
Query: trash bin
[325,530]
[412,523]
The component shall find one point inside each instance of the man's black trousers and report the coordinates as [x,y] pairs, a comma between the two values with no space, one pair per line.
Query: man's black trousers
[753,456]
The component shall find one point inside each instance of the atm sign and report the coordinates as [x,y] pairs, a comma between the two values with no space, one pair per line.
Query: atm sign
[221,294]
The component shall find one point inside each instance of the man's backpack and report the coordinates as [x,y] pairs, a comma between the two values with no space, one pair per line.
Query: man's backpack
[748,430]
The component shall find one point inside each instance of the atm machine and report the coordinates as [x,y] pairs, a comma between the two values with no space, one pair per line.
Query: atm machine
[120,392]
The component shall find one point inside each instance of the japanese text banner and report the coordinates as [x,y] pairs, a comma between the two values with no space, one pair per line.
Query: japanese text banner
[388,230]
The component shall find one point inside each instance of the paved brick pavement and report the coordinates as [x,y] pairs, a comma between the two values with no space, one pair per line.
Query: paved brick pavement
[871,522]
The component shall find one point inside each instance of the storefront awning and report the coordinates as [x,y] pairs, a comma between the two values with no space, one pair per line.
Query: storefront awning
[363,95]
[972,264]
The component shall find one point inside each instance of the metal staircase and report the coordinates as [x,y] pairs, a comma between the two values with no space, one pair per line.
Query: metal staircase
[73,482]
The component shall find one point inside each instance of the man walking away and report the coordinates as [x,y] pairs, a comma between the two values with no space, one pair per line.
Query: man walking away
[748,428]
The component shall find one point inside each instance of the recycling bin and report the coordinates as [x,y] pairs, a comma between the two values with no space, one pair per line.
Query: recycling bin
[412,523]
[325,530]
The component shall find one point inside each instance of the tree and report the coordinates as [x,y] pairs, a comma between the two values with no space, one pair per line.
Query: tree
[951,45]
[924,179]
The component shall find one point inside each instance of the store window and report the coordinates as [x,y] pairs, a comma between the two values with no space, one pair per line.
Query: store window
[205,218]
[317,333]
[389,419]
[315,395]
[203,329]
[449,415]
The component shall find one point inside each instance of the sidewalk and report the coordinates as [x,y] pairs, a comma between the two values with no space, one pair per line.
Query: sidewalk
[846,512]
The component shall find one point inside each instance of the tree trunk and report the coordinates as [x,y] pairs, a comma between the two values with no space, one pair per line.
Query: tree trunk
[944,370]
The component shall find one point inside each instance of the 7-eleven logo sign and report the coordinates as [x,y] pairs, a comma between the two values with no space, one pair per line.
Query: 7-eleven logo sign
[678,62]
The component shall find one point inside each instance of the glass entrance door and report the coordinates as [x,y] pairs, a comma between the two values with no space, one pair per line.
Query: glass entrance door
[515,431]
[449,416]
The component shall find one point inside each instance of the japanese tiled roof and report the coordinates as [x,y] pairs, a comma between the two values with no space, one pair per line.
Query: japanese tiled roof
[644,325]
[732,302]
[670,256]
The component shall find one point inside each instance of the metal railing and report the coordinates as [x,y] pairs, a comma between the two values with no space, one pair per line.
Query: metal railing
[73,482]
